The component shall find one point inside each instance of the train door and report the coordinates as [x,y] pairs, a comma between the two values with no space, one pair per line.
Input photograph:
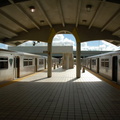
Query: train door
[35,64]
[16,67]
[97,65]
[45,64]
[90,63]
[114,68]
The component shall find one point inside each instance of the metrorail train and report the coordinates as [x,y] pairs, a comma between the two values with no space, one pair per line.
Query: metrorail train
[18,64]
[107,65]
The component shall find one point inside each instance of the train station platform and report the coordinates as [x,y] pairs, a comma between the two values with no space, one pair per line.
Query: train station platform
[61,97]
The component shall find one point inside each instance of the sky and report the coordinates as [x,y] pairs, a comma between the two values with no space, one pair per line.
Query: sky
[69,40]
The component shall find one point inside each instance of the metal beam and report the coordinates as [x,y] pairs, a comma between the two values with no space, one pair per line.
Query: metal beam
[13,20]
[117,30]
[61,13]
[8,29]
[96,13]
[25,13]
[45,35]
[78,12]
[6,2]
[43,12]
[5,35]
[111,19]
[114,1]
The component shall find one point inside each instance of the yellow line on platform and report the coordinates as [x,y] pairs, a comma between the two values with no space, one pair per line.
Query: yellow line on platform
[19,79]
[105,79]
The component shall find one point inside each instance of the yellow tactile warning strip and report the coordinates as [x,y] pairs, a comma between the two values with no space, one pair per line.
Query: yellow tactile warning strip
[19,79]
[105,79]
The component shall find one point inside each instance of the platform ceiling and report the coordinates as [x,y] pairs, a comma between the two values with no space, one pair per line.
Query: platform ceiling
[16,17]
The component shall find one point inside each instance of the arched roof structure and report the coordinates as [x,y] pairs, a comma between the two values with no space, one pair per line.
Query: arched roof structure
[92,19]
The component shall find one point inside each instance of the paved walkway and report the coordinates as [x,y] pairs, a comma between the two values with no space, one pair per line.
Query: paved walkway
[62,97]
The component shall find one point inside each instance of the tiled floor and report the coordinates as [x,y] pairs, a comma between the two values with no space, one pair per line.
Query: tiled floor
[62,97]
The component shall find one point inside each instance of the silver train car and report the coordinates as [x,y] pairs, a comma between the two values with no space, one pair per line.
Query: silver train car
[18,64]
[107,65]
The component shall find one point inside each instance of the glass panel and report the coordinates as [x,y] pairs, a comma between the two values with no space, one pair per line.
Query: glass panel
[106,64]
[25,63]
[2,58]
[40,61]
[3,65]
[94,62]
[30,62]
[102,64]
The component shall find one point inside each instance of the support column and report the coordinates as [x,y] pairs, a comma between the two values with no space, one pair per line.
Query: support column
[78,65]
[49,59]
[67,61]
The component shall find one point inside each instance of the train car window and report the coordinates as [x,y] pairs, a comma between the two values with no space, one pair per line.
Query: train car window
[3,58]
[30,61]
[26,59]
[102,63]
[105,62]
[88,62]
[40,61]
[93,62]
[3,63]
[27,62]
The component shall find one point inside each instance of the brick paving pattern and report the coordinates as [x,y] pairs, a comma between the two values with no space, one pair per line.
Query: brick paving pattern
[62,97]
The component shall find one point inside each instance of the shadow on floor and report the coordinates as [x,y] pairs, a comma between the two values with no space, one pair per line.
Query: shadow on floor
[59,70]
[40,79]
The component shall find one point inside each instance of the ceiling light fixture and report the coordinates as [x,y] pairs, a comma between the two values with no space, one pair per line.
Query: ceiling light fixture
[84,21]
[88,7]
[32,8]
[42,21]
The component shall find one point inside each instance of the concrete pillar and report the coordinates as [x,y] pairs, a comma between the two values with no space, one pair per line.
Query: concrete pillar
[63,61]
[67,61]
[71,61]
[54,66]
[49,59]
[78,65]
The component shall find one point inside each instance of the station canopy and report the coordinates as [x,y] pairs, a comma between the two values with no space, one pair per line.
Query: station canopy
[20,18]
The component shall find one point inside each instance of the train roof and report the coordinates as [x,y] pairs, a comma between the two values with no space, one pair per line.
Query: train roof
[5,50]
[108,53]
[17,52]
[23,53]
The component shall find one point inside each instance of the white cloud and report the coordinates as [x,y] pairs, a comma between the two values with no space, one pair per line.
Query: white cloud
[84,44]
[104,46]
[68,42]
[41,44]
[58,37]
[60,40]
[3,46]
[108,46]
[30,43]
